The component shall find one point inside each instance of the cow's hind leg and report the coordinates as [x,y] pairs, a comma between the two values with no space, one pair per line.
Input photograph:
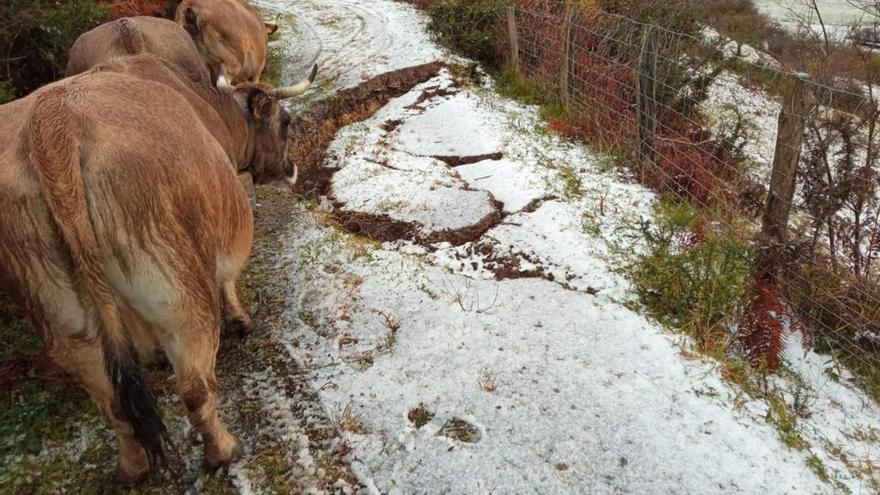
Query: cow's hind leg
[61,320]
[191,339]
[85,361]
[232,260]
[197,385]
[236,320]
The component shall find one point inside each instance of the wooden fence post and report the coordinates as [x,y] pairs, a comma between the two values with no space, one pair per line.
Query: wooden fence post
[646,101]
[797,103]
[513,33]
[566,79]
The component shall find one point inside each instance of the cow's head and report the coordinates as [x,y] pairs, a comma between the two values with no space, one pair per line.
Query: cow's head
[268,123]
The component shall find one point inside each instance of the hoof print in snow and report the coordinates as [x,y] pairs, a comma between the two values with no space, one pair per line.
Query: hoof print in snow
[461,430]
[420,415]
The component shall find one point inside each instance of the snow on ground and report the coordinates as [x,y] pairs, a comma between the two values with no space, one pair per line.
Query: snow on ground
[837,15]
[740,51]
[454,127]
[729,100]
[393,180]
[543,387]
[446,379]
[350,40]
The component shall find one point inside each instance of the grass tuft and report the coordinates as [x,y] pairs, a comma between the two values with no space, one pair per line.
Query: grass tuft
[693,276]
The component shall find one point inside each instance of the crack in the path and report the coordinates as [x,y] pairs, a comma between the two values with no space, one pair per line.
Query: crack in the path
[313,130]
[460,160]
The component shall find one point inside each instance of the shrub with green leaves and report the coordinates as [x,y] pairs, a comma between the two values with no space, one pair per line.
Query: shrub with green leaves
[468,27]
[693,275]
[34,38]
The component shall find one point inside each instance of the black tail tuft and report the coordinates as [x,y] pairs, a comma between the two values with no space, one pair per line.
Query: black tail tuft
[191,22]
[138,403]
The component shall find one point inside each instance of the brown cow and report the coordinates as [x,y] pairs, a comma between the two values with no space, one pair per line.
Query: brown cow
[230,34]
[124,226]
[133,36]
[271,26]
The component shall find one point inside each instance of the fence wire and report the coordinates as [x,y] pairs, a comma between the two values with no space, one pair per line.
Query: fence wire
[590,60]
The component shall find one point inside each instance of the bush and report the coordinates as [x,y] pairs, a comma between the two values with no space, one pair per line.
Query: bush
[468,26]
[6,92]
[692,275]
[129,8]
[35,36]
[674,15]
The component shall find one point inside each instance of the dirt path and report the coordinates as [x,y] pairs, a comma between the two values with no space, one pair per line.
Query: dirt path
[442,311]
[293,444]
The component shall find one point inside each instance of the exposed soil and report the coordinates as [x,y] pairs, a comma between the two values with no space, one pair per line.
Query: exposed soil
[430,94]
[536,203]
[420,416]
[376,227]
[383,228]
[391,125]
[312,132]
[471,233]
[457,161]
[461,430]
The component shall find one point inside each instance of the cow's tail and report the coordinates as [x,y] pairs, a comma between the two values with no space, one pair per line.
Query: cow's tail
[54,151]
[130,36]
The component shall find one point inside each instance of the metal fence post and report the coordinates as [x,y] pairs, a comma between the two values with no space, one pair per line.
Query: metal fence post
[646,102]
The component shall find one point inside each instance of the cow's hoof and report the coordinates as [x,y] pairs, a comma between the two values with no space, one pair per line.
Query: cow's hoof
[238,327]
[132,462]
[214,462]
[130,480]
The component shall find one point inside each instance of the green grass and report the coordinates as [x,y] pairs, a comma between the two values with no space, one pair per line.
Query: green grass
[523,89]
[6,92]
[699,286]
[572,187]
[815,464]
[17,336]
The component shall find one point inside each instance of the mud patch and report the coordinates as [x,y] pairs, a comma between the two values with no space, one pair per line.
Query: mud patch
[383,228]
[380,228]
[430,94]
[471,233]
[461,430]
[536,203]
[391,125]
[313,130]
[458,161]
[420,416]
[508,265]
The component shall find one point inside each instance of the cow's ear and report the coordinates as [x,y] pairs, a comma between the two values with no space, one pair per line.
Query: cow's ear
[260,105]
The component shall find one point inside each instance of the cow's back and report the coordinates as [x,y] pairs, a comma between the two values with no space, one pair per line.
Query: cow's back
[229,28]
[155,178]
[138,35]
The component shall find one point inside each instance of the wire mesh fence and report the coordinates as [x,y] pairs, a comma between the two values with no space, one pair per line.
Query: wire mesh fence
[813,202]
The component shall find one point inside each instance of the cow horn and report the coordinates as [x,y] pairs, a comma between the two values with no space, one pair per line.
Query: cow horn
[222,83]
[296,90]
